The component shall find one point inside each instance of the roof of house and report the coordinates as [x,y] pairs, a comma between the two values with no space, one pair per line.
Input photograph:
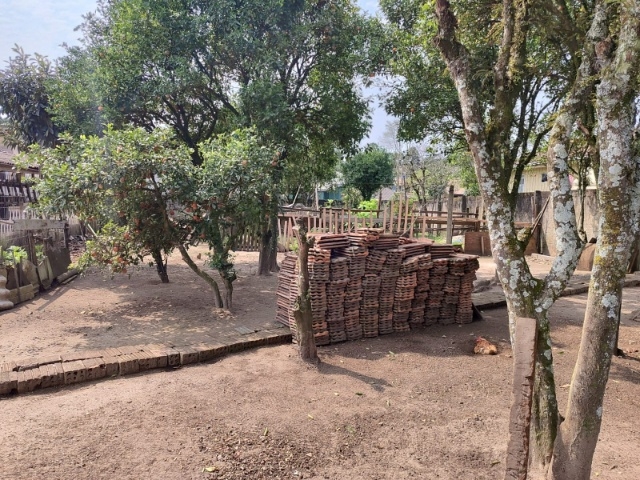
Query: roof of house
[7,161]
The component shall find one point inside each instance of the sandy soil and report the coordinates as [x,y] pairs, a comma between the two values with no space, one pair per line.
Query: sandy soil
[416,405]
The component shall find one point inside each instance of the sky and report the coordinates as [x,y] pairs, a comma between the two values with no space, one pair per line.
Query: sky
[42,26]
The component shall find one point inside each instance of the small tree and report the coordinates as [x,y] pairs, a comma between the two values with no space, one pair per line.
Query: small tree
[148,198]
[368,170]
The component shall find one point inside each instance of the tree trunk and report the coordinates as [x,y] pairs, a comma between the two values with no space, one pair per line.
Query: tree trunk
[227,298]
[204,275]
[302,308]
[618,184]
[268,260]
[161,267]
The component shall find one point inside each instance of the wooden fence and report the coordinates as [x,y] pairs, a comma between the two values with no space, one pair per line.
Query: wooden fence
[456,215]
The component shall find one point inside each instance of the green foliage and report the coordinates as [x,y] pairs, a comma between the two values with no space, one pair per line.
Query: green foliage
[13,255]
[24,100]
[351,197]
[465,171]
[127,182]
[368,205]
[289,68]
[146,195]
[368,170]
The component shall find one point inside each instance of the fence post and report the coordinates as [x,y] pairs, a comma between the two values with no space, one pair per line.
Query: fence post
[450,215]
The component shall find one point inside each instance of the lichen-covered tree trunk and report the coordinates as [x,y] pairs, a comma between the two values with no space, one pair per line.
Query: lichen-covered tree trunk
[526,296]
[619,203]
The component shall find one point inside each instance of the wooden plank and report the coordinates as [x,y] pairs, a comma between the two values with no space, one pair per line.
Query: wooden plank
[524,357]
[22,225]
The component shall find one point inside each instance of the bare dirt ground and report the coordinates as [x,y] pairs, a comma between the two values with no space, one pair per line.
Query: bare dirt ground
[415,405]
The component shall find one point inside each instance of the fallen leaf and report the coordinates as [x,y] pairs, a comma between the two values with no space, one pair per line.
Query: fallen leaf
[566,385]
[209,469]
[310,416]
[359,393]
[266,432]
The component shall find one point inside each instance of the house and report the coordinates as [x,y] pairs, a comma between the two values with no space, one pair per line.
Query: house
[536,178]
[16,191]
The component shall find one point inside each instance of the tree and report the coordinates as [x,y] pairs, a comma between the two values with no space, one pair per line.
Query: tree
[368,170]
[148,198]
[427,175]
[288,68]
[490,135]
[24,100]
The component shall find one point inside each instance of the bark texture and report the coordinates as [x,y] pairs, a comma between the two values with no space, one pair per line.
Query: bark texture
[161,266]
[205,276]
[524,359]
[302,308]
[618,201]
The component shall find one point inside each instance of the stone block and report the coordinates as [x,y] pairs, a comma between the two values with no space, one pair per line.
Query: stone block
[74,372]
[128,363]
[95,368]
[8,382]
[188,355]
[111,366]
[29,380]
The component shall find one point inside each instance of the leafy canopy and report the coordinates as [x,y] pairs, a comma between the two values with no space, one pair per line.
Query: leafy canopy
[368,170]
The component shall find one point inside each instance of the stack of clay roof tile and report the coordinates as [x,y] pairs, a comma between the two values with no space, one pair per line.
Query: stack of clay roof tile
[389,273]
[319,264]
[440,250]
[287,291]
[330,240]
[387,241]
[437,277]
[418,304]
[464,312]
[336,290]
[369,305]
[364,284]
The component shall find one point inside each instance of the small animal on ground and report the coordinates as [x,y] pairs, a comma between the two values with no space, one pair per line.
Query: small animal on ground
[484,347]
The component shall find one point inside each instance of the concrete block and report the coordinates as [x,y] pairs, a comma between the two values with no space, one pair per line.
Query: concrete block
[127,364]
[52,375]
[160,353]
[188,355]
[95,368]
[81,355]
[111,366]
[29,380]
[146,360]
[74,372]
[8,367]
[8,383]
[129,349]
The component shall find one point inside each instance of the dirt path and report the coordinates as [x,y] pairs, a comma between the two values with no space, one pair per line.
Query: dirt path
[408,406]
[95,311]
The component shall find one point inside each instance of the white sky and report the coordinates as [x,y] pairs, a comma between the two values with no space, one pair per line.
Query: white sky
[42,26]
